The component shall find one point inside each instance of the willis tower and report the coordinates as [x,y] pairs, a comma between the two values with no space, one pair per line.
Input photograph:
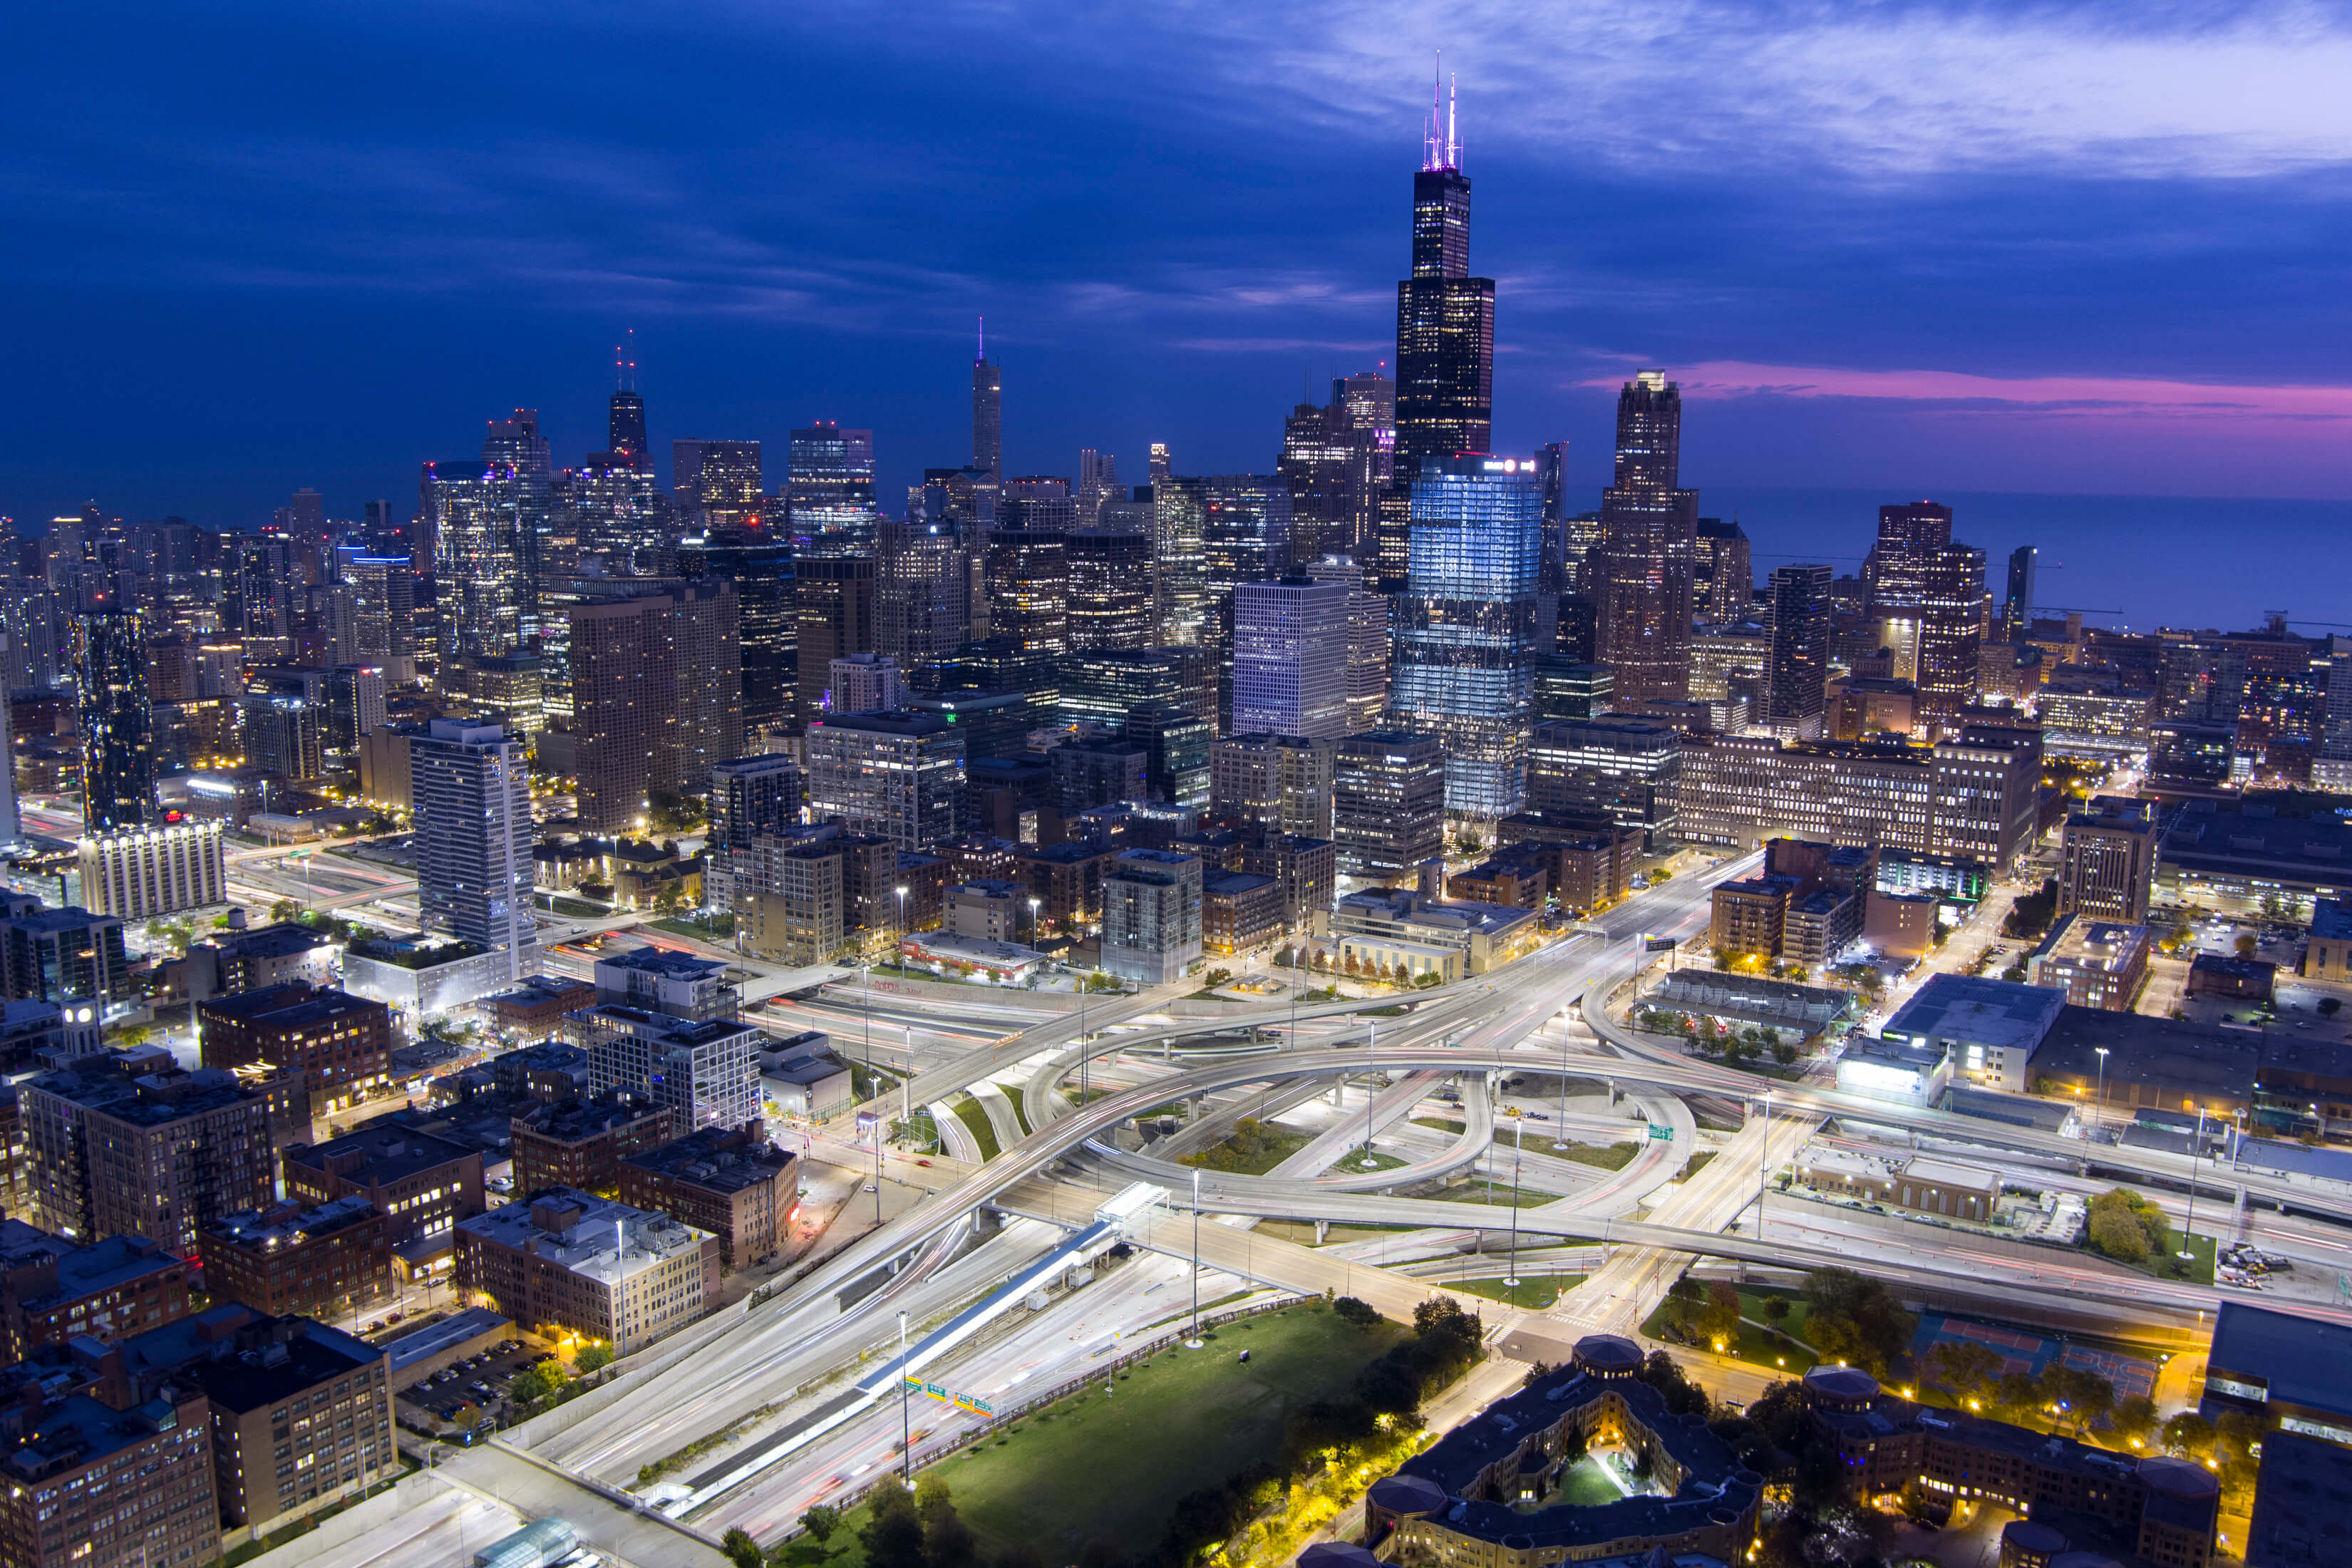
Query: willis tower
[1446,335]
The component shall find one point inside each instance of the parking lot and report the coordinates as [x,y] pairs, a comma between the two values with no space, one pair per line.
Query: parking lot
[461,1396]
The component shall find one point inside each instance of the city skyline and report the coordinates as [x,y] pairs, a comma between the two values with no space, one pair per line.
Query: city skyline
[1818,346]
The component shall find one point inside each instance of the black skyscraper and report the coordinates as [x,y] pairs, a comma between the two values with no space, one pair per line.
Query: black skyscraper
[626,428]
[1796,688]
[1445,318]
[118,759]
[1643,576]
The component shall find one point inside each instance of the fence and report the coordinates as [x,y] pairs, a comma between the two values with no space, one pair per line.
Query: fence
[932,1453]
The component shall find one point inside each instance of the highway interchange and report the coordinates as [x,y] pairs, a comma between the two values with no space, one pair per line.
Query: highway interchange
[762,1392]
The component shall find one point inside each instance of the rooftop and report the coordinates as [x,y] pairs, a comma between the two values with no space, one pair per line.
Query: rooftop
[143,1087]
[422,1344]
[591,1237]
[2302,1503]
[287,939]
[2094,945]
[80,1271]
[1978,1012]
[667,964]
[2192,1060]
[1455,1462]
[718,1160]
[578,1121]
[377,1152]
[2299,1361]
[288,1223]
[2331,919]
[289,1006]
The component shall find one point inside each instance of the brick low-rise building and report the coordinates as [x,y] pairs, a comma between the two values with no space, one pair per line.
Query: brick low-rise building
[340,1044]
[582,1142]
[125,1142]
[289,1259]
[733,1183]
[1239,913]
[422,1185]
[98,1476]
[570,1261]
[52,1290]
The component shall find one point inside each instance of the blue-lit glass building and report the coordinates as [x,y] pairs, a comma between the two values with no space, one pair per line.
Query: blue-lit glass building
[1465,627]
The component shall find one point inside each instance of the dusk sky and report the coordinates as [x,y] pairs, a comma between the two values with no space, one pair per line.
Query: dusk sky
[1912,247]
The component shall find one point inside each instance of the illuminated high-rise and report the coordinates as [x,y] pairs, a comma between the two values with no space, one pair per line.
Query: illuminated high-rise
[1180,570]
[118,758]
[1926,599]
[717,483]
[1465,628]
[1642,572]
[987,415]
[1244,538]
[1445,318]
[473,838]
[1290,658]
[759,563]
[1110,589]
[829,491]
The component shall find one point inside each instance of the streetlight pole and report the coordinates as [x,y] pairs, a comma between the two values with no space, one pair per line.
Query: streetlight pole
[902,929]
[1371,1049]
[1763,1164]
[2187,1252]
[2099,1102]
[1194,1343]
[1519,1134]
[906,1421]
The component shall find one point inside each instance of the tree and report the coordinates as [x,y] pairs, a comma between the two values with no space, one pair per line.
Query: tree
[2134,1418]
[593,1358]
[947,1540]
[2017,1396]
[1783,1052]
[893,1536]
[1776,1310]
[1857,1321]
[538,1382]
[285,910]
[821,1521]
[1351,1310]
[2119,1236]
[2119,1213]
[2189,1434]
[2330,1006]
[1720,1319]
[741,1550]
[2245,944]
[1687,1295]
[1965,1367]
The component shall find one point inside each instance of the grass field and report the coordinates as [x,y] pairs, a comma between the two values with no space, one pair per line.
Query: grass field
[968,1112]
[1535,1292]
[1113,1466]
[2165,1265]
[1759,1346]
[1615,1157]
[1275,1144]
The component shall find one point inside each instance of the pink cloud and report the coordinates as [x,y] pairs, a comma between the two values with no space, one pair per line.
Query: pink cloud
[1953,392]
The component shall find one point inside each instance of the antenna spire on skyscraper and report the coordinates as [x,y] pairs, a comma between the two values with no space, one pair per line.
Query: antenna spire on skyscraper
[1441,147]
[981,357]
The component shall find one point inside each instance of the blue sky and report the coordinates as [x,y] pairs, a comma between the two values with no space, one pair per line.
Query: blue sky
[1902,247]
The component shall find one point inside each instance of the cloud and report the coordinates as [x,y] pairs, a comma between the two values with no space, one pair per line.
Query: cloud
[1708,87]
[1954,392]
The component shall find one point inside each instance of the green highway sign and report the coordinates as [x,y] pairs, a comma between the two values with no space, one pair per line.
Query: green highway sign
[1661,1134]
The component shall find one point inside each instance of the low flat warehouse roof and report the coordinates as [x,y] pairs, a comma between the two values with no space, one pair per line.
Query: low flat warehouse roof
[2301,1361]
[422,1344]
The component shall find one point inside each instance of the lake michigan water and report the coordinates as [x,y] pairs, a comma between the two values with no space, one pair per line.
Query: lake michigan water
[2199,562]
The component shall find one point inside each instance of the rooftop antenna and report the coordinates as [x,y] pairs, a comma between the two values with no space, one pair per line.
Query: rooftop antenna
[1453,142]
[1430,150]
[983,341]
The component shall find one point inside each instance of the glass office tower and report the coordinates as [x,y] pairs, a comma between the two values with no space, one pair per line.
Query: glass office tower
[1465,630]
